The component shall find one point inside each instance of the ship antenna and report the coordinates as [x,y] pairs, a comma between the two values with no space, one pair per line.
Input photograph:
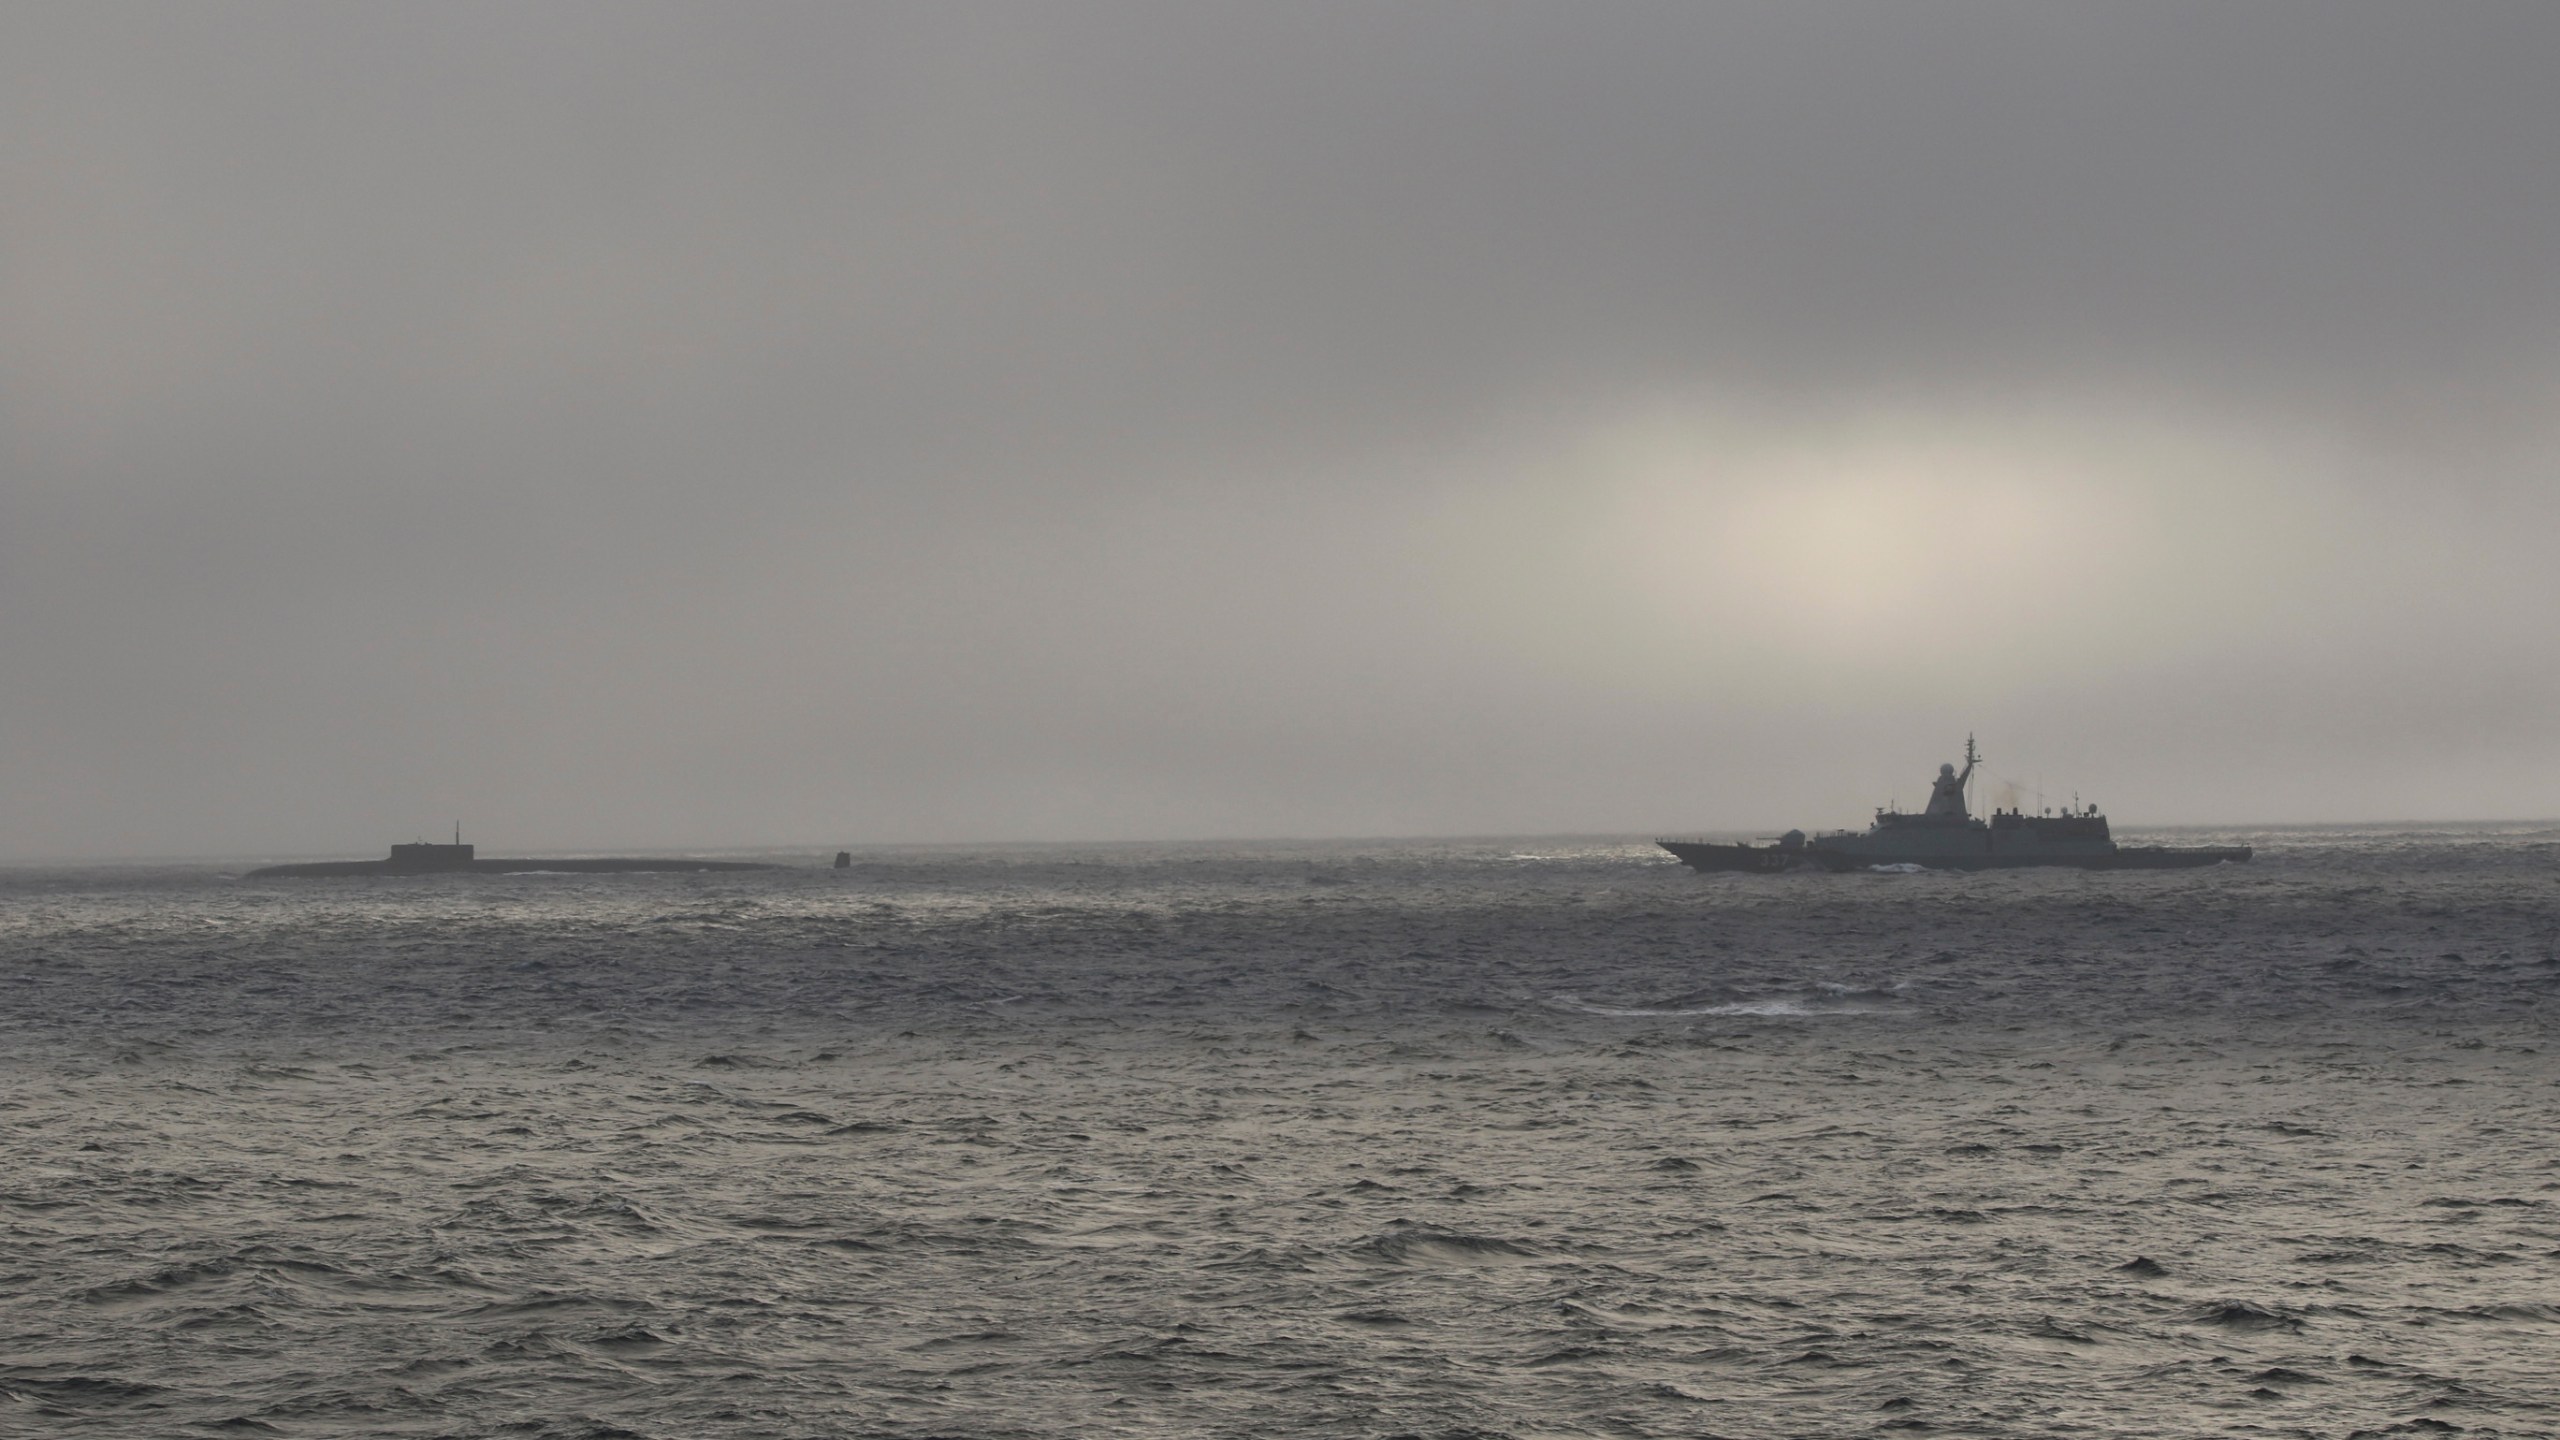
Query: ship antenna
[457,832]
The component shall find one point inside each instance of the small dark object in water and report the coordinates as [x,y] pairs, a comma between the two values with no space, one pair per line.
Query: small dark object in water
[844,859]
[2241,1315]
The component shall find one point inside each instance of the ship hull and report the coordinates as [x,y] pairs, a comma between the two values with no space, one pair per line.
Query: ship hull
[1770,859]
[1955,854]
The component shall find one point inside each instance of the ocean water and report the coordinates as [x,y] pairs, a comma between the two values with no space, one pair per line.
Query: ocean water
[1500,1138]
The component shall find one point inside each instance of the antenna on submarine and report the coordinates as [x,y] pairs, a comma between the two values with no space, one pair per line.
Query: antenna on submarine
[457,832]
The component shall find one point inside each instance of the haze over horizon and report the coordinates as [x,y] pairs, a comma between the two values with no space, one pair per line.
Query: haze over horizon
[656,425]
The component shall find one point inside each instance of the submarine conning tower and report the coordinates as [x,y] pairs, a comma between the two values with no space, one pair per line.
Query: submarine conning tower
[427,855]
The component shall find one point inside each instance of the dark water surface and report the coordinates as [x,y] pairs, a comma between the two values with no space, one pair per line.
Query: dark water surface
[1452,1139]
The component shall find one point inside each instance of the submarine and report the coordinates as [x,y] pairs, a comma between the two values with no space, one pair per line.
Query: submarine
[1948,836]
[435,858]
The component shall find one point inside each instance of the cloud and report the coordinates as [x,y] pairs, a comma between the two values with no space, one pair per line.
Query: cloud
[635,422]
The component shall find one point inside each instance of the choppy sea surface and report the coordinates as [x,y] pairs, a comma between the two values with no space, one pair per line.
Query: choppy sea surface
[1483,1138]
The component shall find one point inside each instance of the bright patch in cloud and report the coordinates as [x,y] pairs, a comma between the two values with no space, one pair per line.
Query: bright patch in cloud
[1934,552]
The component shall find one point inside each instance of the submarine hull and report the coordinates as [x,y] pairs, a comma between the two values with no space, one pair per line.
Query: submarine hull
[1712,859]
[322,869]
[2184,857]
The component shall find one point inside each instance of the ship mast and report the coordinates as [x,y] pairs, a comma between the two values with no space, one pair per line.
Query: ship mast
[1970,760]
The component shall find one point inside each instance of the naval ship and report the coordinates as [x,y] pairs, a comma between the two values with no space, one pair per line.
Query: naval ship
[428,857]
[1948,836]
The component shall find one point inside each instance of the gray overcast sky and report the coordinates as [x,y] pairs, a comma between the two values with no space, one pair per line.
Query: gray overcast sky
[618,424]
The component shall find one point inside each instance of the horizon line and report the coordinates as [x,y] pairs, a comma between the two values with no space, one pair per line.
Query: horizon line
[828,847]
